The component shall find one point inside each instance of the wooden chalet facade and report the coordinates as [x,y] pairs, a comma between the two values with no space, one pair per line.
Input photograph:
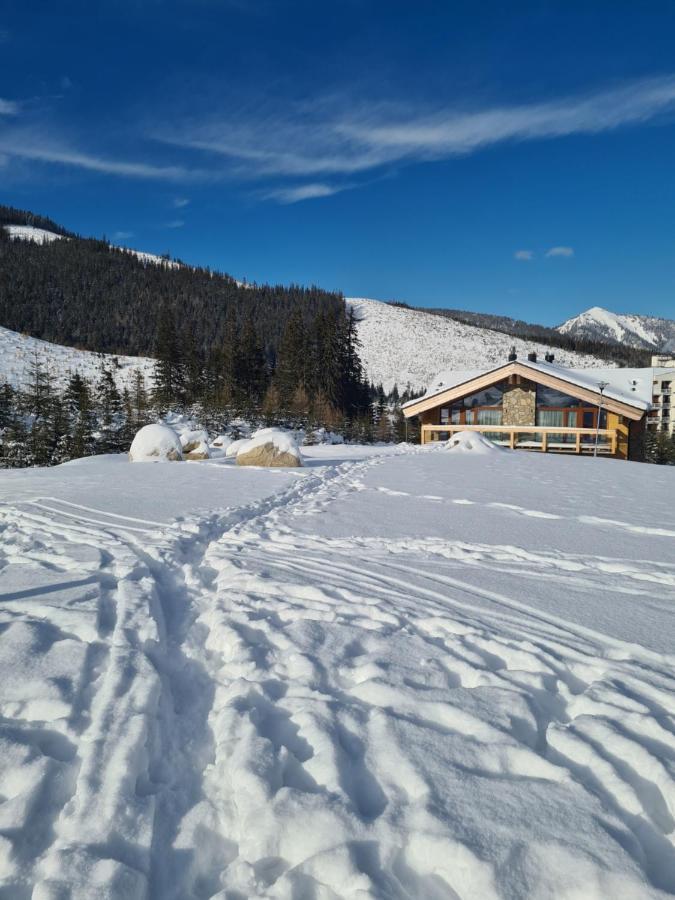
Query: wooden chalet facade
[538,406]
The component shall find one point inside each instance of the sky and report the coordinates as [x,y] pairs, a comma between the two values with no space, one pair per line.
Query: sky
[512,158]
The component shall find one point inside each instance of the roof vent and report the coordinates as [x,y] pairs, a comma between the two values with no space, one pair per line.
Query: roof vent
[549,357]
[532,357]
[513,356]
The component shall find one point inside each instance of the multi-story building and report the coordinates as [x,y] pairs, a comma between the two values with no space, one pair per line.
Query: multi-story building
[661,416]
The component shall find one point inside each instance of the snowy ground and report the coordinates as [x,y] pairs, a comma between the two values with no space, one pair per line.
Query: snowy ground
[393,673]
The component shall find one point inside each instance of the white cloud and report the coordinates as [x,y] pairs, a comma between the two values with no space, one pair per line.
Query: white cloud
[8,107]
[27,145]
[341,136]
[176,223]
[303,192]
[122,235]
[180,202]
[524,255]
[560,251]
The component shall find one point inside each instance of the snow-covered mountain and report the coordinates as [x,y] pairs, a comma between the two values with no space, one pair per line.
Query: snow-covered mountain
[407,346]
[644,332]
[18,353]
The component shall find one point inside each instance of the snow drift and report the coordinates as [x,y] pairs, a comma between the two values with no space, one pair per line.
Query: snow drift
[472,442]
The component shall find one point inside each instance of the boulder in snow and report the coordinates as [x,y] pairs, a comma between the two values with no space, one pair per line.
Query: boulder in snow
[222,442]
[235,446]
[472,442]
[198,451]
[193,440]
[156,443]
[270,447]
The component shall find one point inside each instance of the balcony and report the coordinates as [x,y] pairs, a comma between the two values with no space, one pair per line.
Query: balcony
[534,437]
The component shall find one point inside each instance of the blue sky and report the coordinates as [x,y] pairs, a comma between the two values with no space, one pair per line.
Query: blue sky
[510,158]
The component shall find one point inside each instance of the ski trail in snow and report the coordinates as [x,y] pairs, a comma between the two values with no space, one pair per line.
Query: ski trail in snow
[316,721]
[260,712]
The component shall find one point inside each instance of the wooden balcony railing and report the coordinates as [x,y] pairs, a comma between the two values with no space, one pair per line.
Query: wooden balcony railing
[535,437]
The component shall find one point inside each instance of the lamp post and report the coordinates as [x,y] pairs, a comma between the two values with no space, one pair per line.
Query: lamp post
[601,386]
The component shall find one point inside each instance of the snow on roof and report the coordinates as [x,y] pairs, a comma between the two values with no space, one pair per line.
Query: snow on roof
[632,386]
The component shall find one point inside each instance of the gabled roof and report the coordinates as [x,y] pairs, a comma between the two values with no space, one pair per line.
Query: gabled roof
[628,391]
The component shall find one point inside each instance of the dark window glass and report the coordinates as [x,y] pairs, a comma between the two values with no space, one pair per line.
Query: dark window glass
[547,396]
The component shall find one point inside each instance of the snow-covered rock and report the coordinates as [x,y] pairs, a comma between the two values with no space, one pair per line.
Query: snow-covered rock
[222,441]
[193,440]
[198,451]
[234,446]
[156,443]
[472,442]
[270,447]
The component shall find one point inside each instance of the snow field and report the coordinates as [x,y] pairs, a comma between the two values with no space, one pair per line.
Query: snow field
[18,353]
[393,673]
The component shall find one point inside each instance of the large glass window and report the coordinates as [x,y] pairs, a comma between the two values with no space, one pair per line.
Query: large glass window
[547,396]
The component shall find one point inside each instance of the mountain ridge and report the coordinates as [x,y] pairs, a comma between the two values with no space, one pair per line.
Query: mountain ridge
[639,331]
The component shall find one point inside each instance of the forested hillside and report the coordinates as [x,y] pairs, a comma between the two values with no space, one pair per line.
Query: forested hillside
[221,349]
[83,292]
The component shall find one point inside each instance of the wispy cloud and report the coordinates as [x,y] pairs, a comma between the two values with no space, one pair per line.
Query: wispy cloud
[337,137]
[122,235]
[28,145]
[524,255]
[303,192]
[560,251]
[8,107]
[175,223]
[180,202]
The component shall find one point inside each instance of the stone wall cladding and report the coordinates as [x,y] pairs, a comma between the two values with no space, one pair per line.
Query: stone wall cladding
[520,404]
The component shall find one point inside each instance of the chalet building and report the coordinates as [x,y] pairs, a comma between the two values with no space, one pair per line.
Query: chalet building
[539,405]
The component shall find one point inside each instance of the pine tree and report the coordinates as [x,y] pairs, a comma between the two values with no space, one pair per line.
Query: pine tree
[252,377]
[292,359]
[139,401]
[169,376]
[109,408]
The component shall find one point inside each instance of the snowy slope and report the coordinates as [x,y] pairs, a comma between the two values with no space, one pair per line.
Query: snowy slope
[29,233]
[40,236]
[18,353]
[421,674]
[645,332]
[406,346]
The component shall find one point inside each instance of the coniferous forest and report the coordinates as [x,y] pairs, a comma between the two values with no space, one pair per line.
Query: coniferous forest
[223,350]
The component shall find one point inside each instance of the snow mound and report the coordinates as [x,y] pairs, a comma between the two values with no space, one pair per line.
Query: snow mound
[472,442]
[156,443]
[222,441]
[270,447]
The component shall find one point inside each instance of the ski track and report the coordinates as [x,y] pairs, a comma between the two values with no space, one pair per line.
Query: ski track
[234,673]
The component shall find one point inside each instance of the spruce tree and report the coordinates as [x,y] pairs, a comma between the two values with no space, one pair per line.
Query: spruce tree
[169,376]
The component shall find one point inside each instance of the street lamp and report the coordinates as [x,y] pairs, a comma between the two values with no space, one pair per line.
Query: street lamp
[601,386]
